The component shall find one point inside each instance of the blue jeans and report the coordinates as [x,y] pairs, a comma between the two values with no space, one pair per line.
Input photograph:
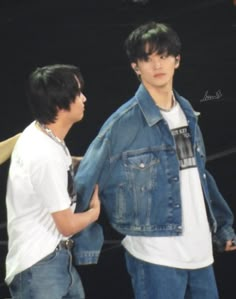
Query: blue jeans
[54,277]
[159,282]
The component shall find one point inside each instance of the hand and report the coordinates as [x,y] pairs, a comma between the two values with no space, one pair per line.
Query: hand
[230,246]
[94,205]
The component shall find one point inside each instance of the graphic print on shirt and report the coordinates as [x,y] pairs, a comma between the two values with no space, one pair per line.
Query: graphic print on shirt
[184,147]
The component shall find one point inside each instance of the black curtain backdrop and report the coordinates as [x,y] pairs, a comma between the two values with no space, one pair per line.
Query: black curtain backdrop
[91,34]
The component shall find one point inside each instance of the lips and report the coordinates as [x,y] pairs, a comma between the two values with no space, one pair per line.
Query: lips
[159,75]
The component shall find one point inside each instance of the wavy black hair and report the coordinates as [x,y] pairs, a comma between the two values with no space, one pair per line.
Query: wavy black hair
[51,88]
[152,38]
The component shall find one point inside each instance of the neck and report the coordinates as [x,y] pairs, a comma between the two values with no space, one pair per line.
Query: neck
[58,129]
[163,98]
[162,94]
[55,133]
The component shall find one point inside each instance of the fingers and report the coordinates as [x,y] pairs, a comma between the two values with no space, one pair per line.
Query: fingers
[95,193]
[96,189]
[230,246]
[95,201]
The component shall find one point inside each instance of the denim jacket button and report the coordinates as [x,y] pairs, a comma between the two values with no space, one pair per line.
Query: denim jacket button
[204,175]
[176,179]
[141,165]
[179,228]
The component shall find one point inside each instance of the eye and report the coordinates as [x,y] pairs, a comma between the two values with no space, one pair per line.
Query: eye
[163,56]
[148,59]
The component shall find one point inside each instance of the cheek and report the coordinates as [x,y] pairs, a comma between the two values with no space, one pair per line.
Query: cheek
[78,103]
[80,106]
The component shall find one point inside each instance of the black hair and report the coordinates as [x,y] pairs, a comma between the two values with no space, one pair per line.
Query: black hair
[152,38]
[51,88]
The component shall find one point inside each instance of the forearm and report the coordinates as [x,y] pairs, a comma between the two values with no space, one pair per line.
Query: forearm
[69,223]
[6,148]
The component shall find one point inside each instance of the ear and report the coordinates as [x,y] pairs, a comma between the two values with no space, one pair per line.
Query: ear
[177,61]
[135,67]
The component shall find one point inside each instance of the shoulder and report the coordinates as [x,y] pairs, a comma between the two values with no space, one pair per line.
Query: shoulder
[120,117]
[33,146]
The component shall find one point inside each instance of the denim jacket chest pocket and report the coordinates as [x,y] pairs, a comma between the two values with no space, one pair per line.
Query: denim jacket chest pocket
[141,168]
[137,199]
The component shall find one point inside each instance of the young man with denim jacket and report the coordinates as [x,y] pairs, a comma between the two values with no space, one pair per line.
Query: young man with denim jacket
[149,161]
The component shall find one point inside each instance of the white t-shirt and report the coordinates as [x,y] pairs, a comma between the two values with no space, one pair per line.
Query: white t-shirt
[193,249]
[37,187]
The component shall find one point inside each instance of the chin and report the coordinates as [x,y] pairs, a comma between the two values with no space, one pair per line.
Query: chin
[81,117]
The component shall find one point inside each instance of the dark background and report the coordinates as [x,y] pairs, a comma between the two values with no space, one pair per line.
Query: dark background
[91,34]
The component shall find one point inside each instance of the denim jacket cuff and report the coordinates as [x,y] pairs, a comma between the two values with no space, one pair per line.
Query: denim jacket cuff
[87,245]
[86,258]
[221,237]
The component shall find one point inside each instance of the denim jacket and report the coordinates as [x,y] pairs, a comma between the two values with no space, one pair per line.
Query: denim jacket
[134,161]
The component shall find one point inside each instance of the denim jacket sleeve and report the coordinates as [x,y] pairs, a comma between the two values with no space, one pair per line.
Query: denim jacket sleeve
[222,213]
[220,209]
[88,243]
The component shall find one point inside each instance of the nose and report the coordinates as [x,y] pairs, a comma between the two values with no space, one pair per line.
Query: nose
[84,99]
[157,63]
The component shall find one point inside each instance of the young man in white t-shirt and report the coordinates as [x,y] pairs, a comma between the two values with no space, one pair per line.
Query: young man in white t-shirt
[149,161]
[40,195]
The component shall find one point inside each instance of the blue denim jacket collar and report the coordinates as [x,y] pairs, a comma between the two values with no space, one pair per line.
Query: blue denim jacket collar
[150,110]
[148,106]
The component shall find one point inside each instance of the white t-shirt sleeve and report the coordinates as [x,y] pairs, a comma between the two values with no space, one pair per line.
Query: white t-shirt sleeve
[49,179]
